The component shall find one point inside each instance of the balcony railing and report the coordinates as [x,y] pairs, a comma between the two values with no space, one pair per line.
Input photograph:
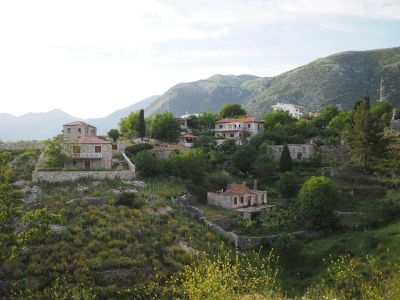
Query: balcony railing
[88,155]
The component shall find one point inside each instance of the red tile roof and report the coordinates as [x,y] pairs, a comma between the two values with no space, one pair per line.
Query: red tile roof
[188,136]
[92,140]
[236,189]
[241,120]
[76,123]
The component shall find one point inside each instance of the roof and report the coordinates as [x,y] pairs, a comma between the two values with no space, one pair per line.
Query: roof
[92,140]
[168,148]
[188,136]
[240,120]
[77,123]
[237,189]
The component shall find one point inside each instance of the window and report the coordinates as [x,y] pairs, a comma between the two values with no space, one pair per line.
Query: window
[68,130]
[86,131]
[114,146]
[79,130]
[97,149]
[248,200]
[304,149]
[220,126]
[234,125]
[280,149]
[256,198]
[235,200]
[248,125]
[241,200]
[232,135]
[74,162]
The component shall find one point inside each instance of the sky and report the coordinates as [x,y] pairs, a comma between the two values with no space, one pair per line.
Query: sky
[90,58]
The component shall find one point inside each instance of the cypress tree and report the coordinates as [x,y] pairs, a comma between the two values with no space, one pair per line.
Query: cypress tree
[285,163]
[364,138]
[142,124]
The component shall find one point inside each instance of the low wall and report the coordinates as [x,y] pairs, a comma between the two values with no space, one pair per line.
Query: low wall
[60,176]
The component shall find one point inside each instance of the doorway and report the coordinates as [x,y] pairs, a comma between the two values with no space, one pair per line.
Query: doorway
[87,164]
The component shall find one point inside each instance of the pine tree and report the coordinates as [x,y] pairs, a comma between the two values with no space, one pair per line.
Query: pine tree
[285,163]
[364,137]
[142,124]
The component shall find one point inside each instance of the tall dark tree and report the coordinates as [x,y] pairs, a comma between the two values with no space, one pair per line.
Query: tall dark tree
[232,110]
[364,138]
[285,163]
[142,125]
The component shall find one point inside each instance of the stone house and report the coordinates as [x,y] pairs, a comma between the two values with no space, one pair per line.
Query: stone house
[237,196]
[238,128]
[294,110]
[77,129]
[85,149]
[297,151]
[164,151]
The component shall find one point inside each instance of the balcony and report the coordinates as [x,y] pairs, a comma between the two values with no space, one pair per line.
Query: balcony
[88,155]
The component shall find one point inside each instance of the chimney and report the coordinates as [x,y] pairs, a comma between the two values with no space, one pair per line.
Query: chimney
[255,184]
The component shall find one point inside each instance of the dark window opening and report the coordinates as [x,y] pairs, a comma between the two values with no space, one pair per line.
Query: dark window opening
[97,149]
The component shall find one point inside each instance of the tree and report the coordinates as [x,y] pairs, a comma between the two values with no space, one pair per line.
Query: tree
[165,127]
[244,158]
[147,164]
[129,125]
[232,110]
[142,125]
[340,121]
[264,166]
[55,155]
[278,118]
[326,115]
[113,134]
[207,120]
[285,162]
[364,137]
[317,199]
[288,184]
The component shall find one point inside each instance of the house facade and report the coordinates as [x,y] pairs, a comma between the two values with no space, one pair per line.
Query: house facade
[297,151]
[232,128]
[294,110]
[85,149]
[237,196]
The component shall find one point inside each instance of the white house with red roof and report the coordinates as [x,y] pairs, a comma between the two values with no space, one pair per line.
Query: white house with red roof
[85,148]
[238,128]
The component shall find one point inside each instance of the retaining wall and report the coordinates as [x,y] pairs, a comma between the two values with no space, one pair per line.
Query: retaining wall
[60,176]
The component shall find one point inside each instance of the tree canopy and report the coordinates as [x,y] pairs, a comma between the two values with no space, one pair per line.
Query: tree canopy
[165,127]
[232,110]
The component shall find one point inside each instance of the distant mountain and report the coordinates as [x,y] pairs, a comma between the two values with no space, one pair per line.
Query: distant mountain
[111,121]
[40,126]
[340,79]
[203,95]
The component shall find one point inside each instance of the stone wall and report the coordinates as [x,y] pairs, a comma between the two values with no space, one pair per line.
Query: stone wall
[297,151]
[240,242]
[21,145]
[60,176]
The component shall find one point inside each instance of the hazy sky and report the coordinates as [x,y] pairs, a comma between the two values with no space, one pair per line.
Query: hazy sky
[90,58]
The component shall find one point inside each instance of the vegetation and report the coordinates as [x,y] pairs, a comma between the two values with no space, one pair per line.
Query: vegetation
[142,124]
[232,110]
[285,162]
[55,153]
[113,134]
[165,127]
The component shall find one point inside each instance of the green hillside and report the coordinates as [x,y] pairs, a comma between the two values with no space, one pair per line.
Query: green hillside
[339,79]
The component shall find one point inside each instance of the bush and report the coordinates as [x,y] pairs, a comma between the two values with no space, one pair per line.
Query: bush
[129,199]
[134,149]
[288,184]
[147,164]
[318,197]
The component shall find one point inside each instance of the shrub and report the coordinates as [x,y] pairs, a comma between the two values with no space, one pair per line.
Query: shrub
[147,164]
[129,199]
[285,162]
[318,197]
[288,184]
[134,149]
